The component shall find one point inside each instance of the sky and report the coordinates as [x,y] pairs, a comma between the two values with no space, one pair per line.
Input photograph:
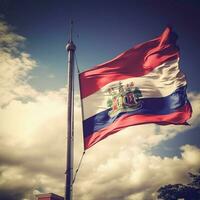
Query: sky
[130,165]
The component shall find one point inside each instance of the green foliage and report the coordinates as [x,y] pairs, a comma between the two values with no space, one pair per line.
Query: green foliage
[195,179]
[109,103]
[190,191]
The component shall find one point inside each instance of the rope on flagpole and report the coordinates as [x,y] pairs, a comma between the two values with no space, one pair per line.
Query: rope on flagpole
[76,61]
[81,159]
[79,165]
[77,64]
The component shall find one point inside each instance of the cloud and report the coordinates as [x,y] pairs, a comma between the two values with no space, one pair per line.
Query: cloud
[194,98]
[9,40]
[135,175]
[51,76]
[33,142]
[15,65]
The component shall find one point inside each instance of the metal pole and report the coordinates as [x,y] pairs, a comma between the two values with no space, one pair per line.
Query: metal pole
[70,122]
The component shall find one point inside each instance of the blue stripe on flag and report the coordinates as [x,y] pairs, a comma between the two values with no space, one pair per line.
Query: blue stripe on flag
[152,106]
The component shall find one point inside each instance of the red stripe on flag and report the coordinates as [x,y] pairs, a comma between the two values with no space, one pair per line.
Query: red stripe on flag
[135,62]
[177,118]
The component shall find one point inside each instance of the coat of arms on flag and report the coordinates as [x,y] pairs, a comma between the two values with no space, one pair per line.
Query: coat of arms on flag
[141,85]
[123,98]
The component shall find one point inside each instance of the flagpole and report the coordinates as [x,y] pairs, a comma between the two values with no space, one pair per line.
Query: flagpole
[70,119]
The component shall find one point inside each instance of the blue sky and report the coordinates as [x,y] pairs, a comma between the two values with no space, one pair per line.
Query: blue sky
[102,30]
[33,36]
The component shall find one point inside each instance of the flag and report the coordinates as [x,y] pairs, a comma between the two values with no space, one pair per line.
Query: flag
[141,85]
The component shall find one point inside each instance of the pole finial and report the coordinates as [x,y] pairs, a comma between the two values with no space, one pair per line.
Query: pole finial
[71,30]
[70,45]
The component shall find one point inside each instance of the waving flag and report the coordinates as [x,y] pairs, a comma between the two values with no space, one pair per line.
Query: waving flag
[142,85]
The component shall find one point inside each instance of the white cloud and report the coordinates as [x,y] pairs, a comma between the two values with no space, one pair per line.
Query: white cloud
[194,99]
[51,76]
[15,66]
[131,175]
[9,40]
[33,142]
